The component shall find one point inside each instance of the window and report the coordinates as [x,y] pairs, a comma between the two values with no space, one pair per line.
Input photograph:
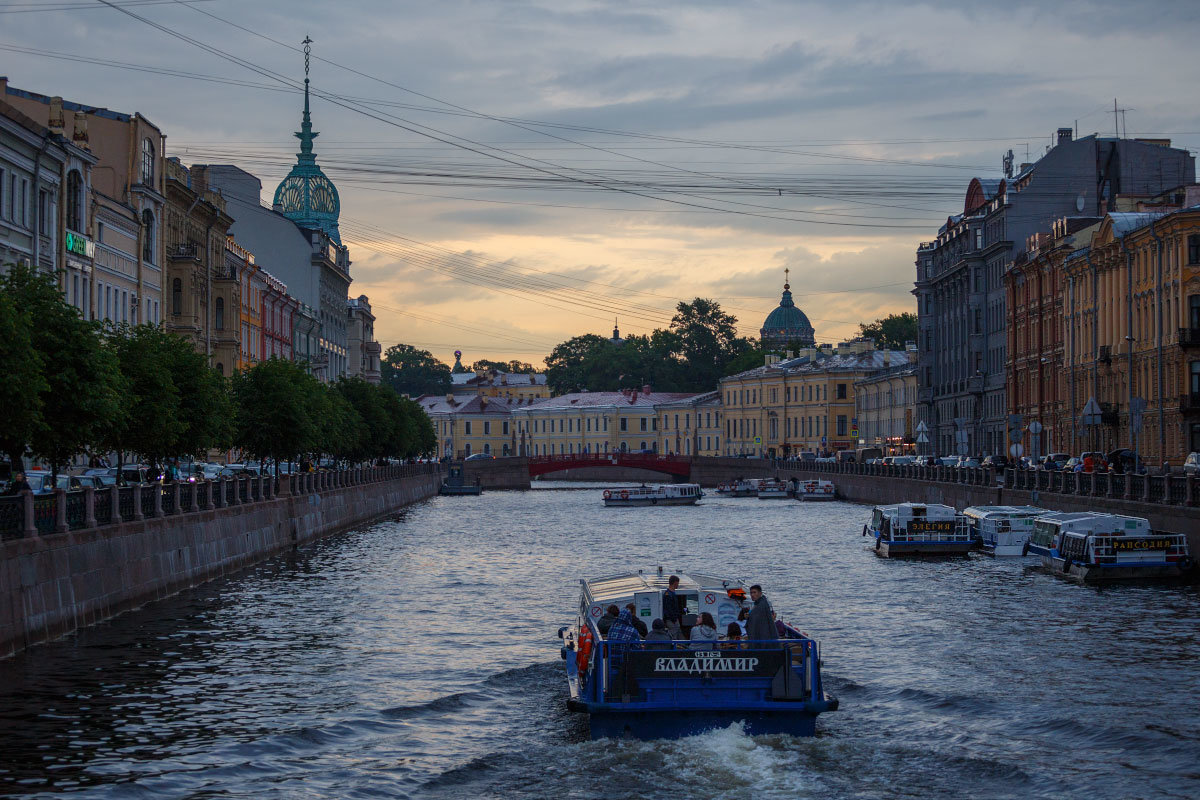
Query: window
[504,428]
[624,423]
[841,391]
[1194,311]
[1,192]
[148,236]
[75,201]
[219,314]
[487,428]
[25,202]
[467,427]
[643,425]
[147,162]
[1193,245]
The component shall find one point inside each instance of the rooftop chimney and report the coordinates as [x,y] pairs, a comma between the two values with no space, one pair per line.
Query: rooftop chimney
[80,136]
[1065,135]
[646,388]
[56,123]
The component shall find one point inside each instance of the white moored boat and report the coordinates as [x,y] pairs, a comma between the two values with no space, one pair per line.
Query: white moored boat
[671,494]
[1002,530]
[918,529]
[774,490]
[740,488]
[815,490]
[1091,547]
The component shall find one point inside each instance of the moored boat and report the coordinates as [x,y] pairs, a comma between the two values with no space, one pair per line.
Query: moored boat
[816,490]
[740,488]
[1001,530]
[671,494]
[456,484]
[918,529]
[670,688]
[1091,547]
[774,490]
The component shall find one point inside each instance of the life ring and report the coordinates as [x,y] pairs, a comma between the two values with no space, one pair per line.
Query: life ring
[653,501]
[607,494]
[624,494]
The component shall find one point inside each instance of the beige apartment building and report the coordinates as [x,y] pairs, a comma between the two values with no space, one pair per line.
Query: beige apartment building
[467,426]
[805,403]
[593,422]
[691,426]
[111,219]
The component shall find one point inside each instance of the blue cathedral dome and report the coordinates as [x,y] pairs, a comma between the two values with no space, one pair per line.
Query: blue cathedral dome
[306,196]
[787,324]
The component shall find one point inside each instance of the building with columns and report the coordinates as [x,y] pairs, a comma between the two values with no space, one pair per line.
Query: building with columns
[361,346]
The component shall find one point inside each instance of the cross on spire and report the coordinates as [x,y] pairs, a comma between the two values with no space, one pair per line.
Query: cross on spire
[786,271]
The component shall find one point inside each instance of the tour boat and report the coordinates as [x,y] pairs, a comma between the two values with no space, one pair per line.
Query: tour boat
[1091,547]
[671,494]
[740,488]
[815,490]
[918,529]
[669,689]
[456,484]
[1001,530]
[774,490]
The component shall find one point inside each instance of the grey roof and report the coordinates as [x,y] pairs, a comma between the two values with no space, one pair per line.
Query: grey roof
[1126,222]
[823,362]
[440,404]
[632,399]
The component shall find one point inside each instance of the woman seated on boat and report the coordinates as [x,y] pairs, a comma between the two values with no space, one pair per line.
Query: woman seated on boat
[637,623]
[606,622]
[732,640]
[704,632]
[658,638]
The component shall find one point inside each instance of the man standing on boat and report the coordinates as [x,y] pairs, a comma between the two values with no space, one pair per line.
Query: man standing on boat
[761,624]
[671,613]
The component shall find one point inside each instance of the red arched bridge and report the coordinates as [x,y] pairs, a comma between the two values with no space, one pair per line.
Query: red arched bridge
[679,466]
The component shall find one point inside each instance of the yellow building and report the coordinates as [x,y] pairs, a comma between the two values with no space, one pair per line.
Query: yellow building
[805,403]
[593,422]
[240,264]
[495,383]
[466,426]
[691,426]
[1139,347]
[886,407]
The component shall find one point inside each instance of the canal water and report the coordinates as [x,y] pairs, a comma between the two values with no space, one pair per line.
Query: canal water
[417,658]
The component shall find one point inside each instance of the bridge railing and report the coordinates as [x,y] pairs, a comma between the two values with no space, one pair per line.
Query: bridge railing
[28,514]
[1173,490]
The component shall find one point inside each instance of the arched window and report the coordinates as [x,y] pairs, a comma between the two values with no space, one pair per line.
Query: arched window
[75,201]
[148,236]
[177,297]
[219,314]
[221,369]
[147,162]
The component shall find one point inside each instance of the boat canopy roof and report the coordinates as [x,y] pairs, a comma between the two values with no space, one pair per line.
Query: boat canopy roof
[907,511]
[616,587]
[1003,512]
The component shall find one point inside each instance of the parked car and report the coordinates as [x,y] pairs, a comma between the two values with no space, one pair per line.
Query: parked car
[901,461]
[948,461]
[807,455]
[967,462]
[482,456]
[42,482]
[995,462]
[238,470]
[1191,464]
[1054,461]
[138,473]
[926,461]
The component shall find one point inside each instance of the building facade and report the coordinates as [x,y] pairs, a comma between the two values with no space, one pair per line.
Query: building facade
[592,422]
[251,288]
[961,301]
[111,219]
[885,405]
[279,311]
[802,404]
[691,426]
[471,425]
[204,294]
[360,340]
[496,383]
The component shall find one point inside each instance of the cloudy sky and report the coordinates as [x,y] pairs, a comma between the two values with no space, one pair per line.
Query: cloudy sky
[516,173]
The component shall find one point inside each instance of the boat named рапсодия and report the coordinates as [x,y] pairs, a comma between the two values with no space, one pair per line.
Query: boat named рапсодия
[664,687]
[671,494]
[1091,547]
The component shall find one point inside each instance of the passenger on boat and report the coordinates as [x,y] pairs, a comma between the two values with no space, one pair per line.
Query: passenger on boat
[704,633]
[743,615]
[732,640]
[622,633]
[760,625]
[672,613]
[659,636]
[606,622]
[637,623]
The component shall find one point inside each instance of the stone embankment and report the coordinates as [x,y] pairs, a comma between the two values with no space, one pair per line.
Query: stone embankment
[73,559]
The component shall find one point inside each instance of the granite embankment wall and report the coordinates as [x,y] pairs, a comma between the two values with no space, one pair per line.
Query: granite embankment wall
[498,473]
[53,584]
[610,475]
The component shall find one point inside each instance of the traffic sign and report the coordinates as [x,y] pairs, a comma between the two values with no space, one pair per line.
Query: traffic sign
[922,428]
[758,440]
[1035,427]
[854,433]
[962,448]
[1091,412]
[922,438]
[1016,450]
[1136,408]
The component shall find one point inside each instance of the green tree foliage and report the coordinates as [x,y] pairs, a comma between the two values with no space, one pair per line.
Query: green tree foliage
[425,437]
[206,408]
[150,422]
[690,356]
[891,332]
[377,436]
[24,383]
[277,403]
[414,372]
[515,367]
[80,394]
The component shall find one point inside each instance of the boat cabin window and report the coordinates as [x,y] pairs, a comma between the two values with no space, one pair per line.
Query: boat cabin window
[877,519]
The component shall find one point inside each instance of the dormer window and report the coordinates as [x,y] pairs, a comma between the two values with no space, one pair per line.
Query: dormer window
[147,162]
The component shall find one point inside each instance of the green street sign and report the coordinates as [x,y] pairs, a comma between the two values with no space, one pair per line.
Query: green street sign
[80,245]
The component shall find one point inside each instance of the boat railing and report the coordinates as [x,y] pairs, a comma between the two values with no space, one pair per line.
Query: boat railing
[1110,548]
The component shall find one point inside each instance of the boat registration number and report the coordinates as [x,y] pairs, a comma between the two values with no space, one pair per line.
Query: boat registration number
[1140,544]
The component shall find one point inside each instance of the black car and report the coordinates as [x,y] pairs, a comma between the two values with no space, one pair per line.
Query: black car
[995,462]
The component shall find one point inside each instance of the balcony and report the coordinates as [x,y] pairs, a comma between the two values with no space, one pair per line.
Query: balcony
[184,252]
[1189,338]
